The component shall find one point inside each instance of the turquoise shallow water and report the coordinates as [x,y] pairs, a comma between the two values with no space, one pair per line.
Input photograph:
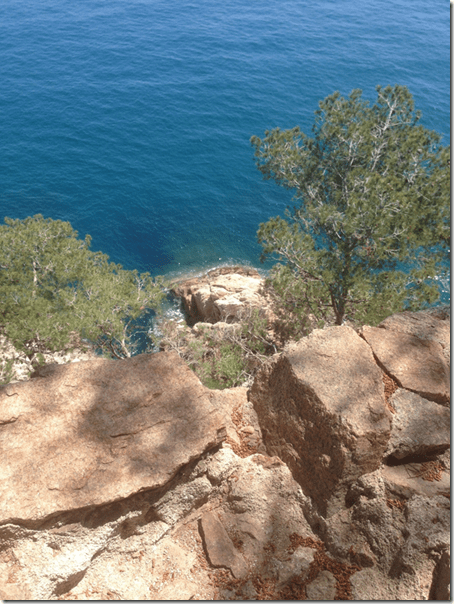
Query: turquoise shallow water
[132,119]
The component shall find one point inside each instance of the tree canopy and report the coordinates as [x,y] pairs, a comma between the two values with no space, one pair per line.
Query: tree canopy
[55,291]
[370,226]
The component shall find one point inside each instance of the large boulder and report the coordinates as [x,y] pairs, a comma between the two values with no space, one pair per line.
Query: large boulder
[223,294]
[322,410]
[139,494]
[96,432]
[398,539]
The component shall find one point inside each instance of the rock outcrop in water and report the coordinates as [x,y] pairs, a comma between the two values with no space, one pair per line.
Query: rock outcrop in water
[222,295]
[328,478]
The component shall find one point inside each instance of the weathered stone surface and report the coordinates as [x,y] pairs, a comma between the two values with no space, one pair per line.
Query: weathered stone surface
[226,401]
[406,540]
[417,365]
[345,541]
[10,591]
[297,566]
[238,414]
[221,295]
[407,480]
[95,432]
[148,546]
[323,587]
[428,525]
[160,561]
[321,408]
[431,324]
[264,507]
[441,585]
[178,502]
[368,584]
[219,546]
[419,426]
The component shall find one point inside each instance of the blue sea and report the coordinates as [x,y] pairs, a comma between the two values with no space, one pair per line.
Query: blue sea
[132,118]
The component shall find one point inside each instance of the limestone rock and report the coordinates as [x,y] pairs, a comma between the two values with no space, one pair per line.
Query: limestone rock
[264,506]
[172,562]
[406,540]
[225,502]
[95,432]
[178,502]
[297,566]
[428,525]
[321,409]
[368,584]
[441,586]
[420,427]
[344,540]
[226,401]
[10,591]
[417,365]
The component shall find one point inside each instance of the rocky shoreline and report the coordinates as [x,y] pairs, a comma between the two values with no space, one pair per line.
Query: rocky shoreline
[328,478]
[221,294]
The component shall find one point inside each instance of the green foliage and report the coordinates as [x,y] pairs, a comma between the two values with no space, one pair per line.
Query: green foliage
[296,304]
[225,366]
[6,371]
[221,357]
[372,222]
[55,291]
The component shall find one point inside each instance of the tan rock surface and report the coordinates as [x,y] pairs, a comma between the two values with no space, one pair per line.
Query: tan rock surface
[100,431]
[219,547]
[222,294]
[419,426]
[159,561]
[323,587]
[417,365]
[431,324]
[409,479]
[321,409]
[384,534]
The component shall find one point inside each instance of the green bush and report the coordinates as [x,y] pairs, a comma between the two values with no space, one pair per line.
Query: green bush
[221,358]
[55,291]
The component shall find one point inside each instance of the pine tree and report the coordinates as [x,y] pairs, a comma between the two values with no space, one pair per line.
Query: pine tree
[370,228]
[55,291]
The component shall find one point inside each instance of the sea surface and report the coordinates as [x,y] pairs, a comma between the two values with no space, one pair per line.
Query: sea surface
[132,118]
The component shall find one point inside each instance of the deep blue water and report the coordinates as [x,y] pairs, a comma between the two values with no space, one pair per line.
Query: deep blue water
[132,118]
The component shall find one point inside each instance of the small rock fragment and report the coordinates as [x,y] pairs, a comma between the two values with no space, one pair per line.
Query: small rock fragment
[219,547]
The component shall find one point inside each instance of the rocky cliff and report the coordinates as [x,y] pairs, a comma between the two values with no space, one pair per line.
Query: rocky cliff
[328,478]
[222,295]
